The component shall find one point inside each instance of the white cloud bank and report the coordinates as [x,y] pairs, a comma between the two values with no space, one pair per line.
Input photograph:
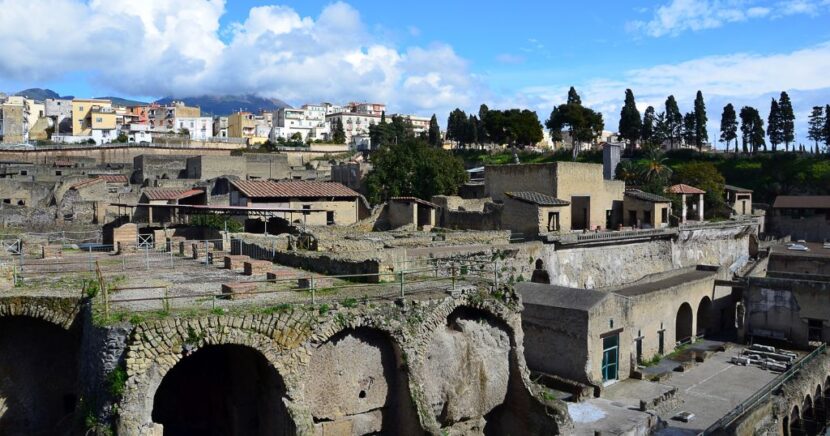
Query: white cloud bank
[679,16]
[744,79]
[163,47]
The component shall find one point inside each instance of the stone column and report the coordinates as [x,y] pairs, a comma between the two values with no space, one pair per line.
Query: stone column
[700,206]
[683,208]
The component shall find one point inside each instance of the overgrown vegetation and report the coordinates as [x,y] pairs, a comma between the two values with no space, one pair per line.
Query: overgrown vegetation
[216,222]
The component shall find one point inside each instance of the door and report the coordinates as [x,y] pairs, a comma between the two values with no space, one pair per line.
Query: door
[610,358]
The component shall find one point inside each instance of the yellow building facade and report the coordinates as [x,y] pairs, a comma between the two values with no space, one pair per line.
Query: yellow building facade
[83,120]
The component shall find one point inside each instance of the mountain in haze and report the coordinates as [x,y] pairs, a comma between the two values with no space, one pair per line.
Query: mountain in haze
[41,94]
[118,101]
[228,104]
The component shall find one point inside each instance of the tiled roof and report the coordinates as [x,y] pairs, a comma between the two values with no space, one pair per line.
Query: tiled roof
[170,193]
[685,189]
[802,202]
[736,189]
[416,200]
[113,178]
[537,198]
[84,183]
[292,189]
[646,196]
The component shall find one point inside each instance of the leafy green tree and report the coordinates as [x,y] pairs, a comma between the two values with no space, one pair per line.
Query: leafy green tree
[583,124]
[647,132]
[701,132]
[674,121]
[729,126]
[775,126]
[631,125]
[704,175]
[413,168]
[471,131]
[815,129]
[752,129]
[339,134]
[457,129]
[434,134]
[787,119]
[122,137]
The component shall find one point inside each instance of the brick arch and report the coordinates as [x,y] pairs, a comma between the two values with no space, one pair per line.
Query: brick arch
[55,310]
[156,347]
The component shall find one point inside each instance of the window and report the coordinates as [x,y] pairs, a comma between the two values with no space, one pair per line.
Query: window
[24,173]
[814,330]
[330,218]
[99,120]
[553,221]
[58,173]
[664,215]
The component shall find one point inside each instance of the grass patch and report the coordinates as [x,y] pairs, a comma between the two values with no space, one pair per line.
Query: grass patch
[323,309]
[117,381]
[350,302]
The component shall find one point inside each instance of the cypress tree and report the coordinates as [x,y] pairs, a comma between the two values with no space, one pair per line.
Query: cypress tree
[434,135]
[674,120]
[729,126]
[787,119]
[647,132]
[630,122]
[701,134]
[815,124]
[774,125]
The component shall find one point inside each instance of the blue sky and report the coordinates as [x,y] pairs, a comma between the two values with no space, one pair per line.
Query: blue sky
[427,57]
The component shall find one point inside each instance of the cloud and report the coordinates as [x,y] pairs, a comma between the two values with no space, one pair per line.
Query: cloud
[679,16]
[741,78]
[164,47]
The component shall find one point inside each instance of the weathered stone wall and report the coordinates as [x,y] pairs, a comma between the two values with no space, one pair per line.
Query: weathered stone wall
[396,388]
[106,154]
[598,266]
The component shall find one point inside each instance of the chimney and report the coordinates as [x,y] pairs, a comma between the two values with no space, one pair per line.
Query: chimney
[610,160]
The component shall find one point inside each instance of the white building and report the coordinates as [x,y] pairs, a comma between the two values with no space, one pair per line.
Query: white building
[419,124]
[355,125]
[199,128]
[309,121]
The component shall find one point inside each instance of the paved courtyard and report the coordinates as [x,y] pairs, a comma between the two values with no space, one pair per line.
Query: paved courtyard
[708,390]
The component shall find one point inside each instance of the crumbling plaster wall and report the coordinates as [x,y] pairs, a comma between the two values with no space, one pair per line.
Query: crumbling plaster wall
[598,266]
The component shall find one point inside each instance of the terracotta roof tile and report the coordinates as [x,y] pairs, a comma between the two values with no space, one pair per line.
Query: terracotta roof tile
[84,183]
[537,198]
[685,189]
[292,189]
[646,196]
[113,178]
[170,193]
[736,188]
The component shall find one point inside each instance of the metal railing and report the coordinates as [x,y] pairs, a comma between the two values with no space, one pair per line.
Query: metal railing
[763,393]
[574,238]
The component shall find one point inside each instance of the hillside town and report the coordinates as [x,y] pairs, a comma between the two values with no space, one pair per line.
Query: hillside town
[280,223]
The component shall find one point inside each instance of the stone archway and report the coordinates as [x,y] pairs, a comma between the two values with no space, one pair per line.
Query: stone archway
[38,376]
[704,316]
[355,380]
[794,424]
[222,389]
[683,323]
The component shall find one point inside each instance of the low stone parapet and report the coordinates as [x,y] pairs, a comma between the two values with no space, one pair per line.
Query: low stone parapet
[256,267]
[236,291]
[174,241]
[215,257]
[235,261]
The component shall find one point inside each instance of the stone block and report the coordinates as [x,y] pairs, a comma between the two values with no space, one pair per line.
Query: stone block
[174,241]
[319,282]
[236,291]
[51,251]
[126,247]
[256,267]
[280,274]
[217,256]
[235,261]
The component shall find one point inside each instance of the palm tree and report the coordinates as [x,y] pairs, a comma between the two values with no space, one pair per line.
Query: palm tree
[628,172]
[655,166]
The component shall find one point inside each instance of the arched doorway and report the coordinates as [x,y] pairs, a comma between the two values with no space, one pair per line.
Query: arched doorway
[808,418]
[38,376]
[704,316]
[683,323]
[222,390]
[794,427]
